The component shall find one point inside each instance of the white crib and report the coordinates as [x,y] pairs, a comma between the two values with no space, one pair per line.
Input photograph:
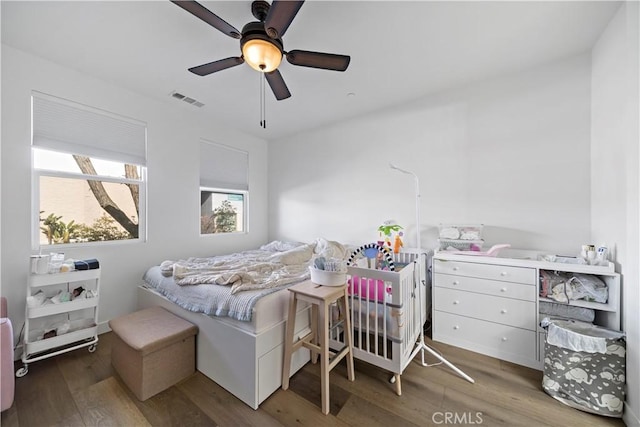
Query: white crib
[385,313]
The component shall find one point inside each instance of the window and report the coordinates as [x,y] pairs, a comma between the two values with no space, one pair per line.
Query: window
[223,189]
[221,212]
[89,174]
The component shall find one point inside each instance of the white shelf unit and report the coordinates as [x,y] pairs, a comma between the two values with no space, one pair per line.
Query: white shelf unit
[490,305]
[80,313]
[607,314]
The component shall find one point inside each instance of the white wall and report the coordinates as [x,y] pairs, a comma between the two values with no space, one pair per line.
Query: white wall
[615,183]
[173,179]
[511,153]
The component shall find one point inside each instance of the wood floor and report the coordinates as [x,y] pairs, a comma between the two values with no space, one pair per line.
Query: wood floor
[81,389]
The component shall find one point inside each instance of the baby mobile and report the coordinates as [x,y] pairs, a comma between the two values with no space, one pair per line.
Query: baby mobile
[388,230]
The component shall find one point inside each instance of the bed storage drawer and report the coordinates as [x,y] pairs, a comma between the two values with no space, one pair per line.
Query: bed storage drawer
[485,286]
[247,365]
[503,273]
[270,369]
[504,342]
[507,311]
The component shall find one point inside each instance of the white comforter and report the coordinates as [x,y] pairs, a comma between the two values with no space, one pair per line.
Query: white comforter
[251,270]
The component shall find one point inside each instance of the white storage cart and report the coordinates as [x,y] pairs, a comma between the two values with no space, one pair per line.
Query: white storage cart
[74,321]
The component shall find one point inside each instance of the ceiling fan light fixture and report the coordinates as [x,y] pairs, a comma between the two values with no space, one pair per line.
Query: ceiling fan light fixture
[261,43]
[261,55]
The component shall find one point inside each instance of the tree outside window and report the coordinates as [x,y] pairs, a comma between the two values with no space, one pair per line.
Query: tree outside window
[74,208]
[221,212]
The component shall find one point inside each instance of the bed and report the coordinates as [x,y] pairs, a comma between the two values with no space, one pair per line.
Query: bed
[240,344]
[240,341]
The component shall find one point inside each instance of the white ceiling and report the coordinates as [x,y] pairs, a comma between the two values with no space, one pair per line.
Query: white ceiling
[399,51]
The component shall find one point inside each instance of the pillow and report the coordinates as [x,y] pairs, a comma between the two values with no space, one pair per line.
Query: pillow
[371,289]
[280,246]
[329,249]
[298,255]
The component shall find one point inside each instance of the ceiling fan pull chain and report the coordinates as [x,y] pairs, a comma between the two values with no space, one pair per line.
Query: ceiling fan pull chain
[264,102]
[263,112]
[260,92]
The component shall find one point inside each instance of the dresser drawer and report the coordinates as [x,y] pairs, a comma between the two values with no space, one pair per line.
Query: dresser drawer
[503,273]
[506,311]
[486,286]
[501,341]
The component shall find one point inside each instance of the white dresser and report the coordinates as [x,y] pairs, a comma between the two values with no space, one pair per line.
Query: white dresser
[490,305]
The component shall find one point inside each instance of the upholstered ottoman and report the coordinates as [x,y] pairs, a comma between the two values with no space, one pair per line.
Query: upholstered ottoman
[152,350]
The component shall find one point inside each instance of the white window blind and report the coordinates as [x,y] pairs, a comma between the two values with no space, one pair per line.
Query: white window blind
[62,125]
[223,167]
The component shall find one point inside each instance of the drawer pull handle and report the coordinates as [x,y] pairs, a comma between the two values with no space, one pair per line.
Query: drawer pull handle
[504,273]
[503,311]
[456,302]
[504,339]
[455,282]
[455,268]
[503,290]
[456,327]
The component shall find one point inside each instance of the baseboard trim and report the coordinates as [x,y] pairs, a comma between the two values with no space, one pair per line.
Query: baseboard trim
[103,328]
[629,417]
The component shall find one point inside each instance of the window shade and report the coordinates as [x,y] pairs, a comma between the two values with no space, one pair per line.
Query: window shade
[62,125]
[223,167]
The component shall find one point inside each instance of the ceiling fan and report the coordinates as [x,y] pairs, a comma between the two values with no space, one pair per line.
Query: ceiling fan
[261,43]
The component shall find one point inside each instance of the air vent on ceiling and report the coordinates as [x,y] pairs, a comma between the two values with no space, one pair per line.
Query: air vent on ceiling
[186,99]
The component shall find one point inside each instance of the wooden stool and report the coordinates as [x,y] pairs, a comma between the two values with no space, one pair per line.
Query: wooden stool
[320,298]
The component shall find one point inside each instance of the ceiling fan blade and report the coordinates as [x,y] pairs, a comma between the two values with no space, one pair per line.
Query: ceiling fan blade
[280,15]
[212,67]
[278,86]
[209,17]
[325,61]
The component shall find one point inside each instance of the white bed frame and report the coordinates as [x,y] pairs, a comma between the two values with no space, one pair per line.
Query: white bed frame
[246,364]
[376,348]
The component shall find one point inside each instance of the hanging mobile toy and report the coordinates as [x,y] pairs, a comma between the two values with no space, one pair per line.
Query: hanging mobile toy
[387,228]
[397,243]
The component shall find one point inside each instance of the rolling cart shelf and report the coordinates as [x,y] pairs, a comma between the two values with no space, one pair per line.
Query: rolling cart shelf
[39,280]
[64,307]
[83,331]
